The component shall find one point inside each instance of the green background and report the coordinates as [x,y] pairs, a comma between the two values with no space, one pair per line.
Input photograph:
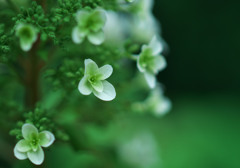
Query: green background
[202,79]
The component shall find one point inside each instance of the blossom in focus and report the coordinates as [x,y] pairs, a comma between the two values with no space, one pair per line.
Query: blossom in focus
[94,80]
[31,146]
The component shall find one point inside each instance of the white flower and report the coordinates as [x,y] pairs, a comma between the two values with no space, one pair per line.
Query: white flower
[115,35]
[150,62]
[94,80]
[140,151]
[157,103]
[90,26]
[31,146]
[148,24]
[27,35]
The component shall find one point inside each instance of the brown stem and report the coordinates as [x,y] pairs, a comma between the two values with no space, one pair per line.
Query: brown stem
[32,70]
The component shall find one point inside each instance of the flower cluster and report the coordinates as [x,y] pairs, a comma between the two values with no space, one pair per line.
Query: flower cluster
[99,28]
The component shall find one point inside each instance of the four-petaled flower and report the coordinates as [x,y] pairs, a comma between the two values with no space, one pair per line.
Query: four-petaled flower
[27,35]
[31,146]
[90,26]
[150,62]
[94,81]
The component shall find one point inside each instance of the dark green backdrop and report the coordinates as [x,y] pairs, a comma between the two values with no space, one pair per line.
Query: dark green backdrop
[203,36]
[203,82]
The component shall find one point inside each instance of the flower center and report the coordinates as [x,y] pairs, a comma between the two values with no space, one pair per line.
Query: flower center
[34,141]
[25,33]
[92,79]
[146,59]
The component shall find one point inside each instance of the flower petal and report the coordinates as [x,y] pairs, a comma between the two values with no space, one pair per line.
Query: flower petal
[151,79]
[156,46]
[19,155]
[159,64]
[99,17]
[98,86]
[96,38]
[163,107]
[102,14]
[108,92]
[81,16]
[105,71]
[77,36]
[46,138]
[25,45]
[28,130]
[36,157]
[91,67]
[84,86]
[23,146]
[140,67]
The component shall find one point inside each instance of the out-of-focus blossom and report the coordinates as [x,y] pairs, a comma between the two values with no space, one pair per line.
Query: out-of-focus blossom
[27,35]
[156,103]
[150,62]
[90,26]
[139,151]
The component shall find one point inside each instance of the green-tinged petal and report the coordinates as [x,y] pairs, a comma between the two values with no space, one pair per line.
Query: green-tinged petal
[96,38]
[26,45]
[84,86]
[105,71]
[27,35]
[159,64]
[98,19]
[46,138]
[26,31]
[91,67]
[36,157]
[156,46]
[163,107]
[23,146]
[28,130]
[102,15]
[77,36]
[144,47]
[19,155]
[151,79]
[98,86]
[81,16]
[108,92]
[139,65]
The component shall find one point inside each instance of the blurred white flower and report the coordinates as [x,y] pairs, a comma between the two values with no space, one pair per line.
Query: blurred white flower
[27,35]
[150,62]
[90,26]
[157,103]
[114,28]
[139,151]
